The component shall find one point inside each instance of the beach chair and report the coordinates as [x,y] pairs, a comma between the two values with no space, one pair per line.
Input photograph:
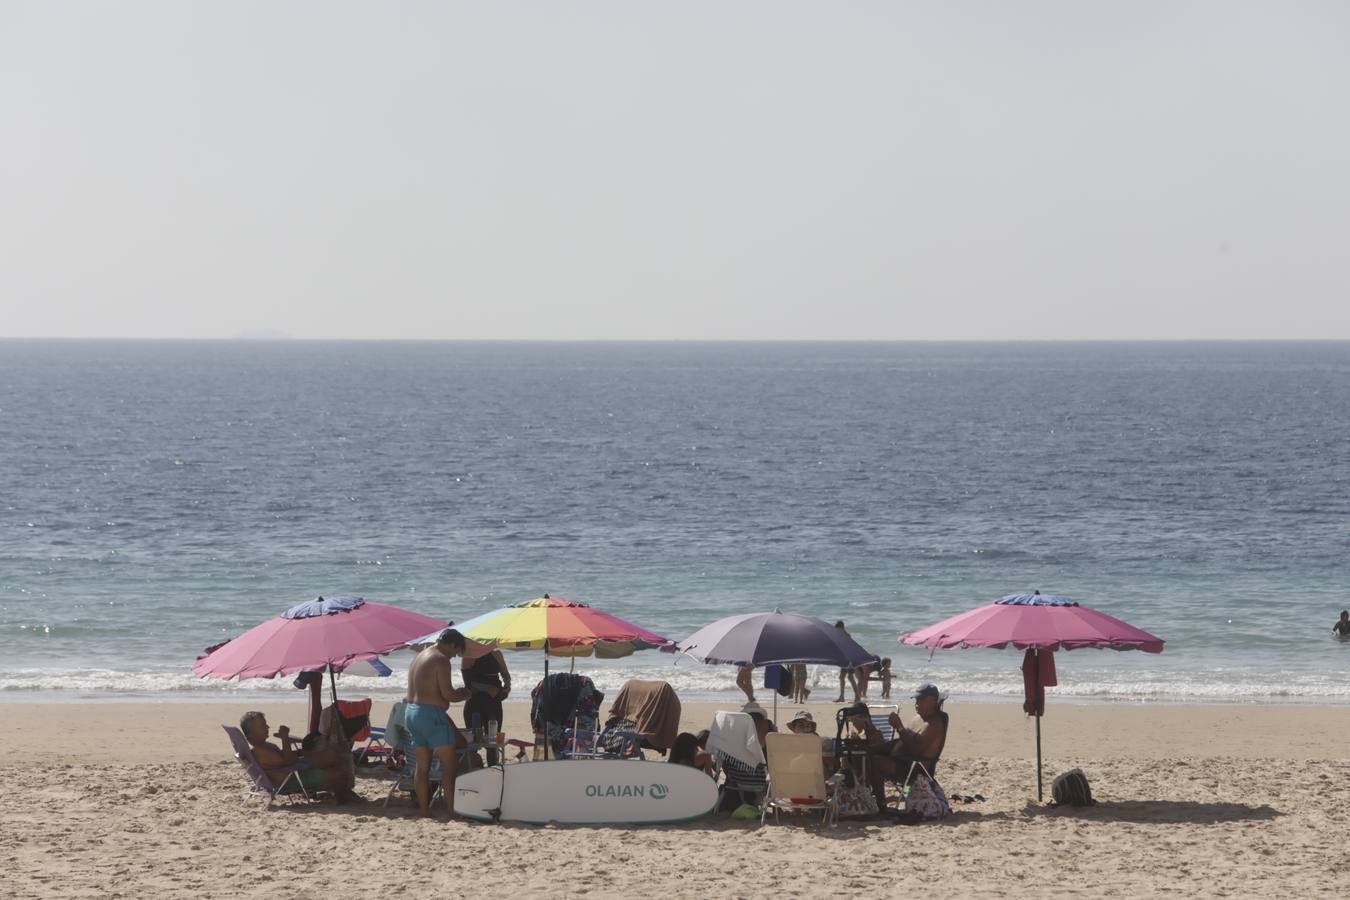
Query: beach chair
[902,780]
[881,720]
[261,784]
[396,734]
[355,719]
[400,742]
[737,755]
[796,778]
[653,709]
[612,743]
[563,698]
[376,748]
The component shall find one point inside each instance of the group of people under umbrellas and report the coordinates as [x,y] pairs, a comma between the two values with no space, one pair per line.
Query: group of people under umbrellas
[329,635]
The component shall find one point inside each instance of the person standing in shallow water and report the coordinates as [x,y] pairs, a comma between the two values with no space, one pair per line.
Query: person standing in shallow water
[745,681]
[1342,627]
[847,676]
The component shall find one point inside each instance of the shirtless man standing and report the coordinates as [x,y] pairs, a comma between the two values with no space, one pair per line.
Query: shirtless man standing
[427,718]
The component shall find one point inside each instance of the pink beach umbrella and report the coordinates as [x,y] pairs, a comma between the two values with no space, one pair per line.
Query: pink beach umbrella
[1039,624]
[328,633]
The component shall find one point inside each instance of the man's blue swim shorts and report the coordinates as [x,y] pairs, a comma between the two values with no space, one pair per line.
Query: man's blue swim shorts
[428,726]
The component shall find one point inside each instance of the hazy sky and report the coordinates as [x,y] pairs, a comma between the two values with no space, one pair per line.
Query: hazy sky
[997,170]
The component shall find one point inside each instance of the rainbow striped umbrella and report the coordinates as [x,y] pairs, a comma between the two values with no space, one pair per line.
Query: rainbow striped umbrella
[560,627]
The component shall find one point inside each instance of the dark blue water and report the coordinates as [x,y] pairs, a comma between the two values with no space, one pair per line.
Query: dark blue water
[156,497]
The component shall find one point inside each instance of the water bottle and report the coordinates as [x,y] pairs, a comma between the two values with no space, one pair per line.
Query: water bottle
[538,747]
[492,730]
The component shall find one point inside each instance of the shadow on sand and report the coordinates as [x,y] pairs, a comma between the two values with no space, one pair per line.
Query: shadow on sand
[1163,812]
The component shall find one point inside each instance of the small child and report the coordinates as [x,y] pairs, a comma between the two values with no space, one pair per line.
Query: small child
[885,675]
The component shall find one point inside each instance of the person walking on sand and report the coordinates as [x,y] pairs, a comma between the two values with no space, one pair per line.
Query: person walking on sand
[1342,627]
[427,716]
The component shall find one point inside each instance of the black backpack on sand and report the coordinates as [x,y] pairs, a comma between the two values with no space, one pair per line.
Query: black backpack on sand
[1071,789]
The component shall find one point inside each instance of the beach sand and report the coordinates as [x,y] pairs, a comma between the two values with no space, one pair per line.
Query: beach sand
[142,799]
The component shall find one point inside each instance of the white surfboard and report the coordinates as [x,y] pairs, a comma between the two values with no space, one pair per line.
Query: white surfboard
[586,791]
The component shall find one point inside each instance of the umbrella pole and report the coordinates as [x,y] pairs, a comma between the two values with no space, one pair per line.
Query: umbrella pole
[1040,793]
[332,683]
[548,699]
[315,703]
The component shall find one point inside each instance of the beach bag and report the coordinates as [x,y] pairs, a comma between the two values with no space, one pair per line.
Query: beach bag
[778,678]
[926,799]
[1071,789]
[853,796]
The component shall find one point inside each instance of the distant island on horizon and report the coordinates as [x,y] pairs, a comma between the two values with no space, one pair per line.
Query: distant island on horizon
[264,334]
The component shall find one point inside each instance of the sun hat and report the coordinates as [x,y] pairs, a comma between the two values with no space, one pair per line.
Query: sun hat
[802,716]
[754,709]
[928,689]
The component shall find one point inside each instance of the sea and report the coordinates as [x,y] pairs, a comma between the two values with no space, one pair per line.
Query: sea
[158,497]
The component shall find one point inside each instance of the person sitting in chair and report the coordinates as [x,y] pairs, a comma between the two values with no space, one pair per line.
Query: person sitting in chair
[922,741]
[327,771]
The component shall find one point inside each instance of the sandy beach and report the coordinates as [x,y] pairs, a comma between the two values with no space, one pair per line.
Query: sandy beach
[126,799]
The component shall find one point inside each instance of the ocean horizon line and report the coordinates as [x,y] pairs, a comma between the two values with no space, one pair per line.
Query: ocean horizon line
[288,339]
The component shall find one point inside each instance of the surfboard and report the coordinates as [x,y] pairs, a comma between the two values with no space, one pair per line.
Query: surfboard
[586,792]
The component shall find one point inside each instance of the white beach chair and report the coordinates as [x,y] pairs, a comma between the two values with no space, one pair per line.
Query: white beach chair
[796,778]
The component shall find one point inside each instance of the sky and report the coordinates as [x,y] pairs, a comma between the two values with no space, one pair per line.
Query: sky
[671,171]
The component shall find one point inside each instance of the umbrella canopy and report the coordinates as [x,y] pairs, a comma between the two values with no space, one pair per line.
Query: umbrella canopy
[1040,624]
[762,639]
[1039,621]
[559,627]
[563,627]
[318,634]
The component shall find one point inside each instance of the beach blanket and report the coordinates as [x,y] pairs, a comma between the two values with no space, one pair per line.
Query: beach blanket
[654,709]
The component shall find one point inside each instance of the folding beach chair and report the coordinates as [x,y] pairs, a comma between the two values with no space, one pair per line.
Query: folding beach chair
[652,709]
[737,756]
[612,743]
[881,720]
[376,748]
[796,778]
[398,739]
[355,719]
[261,784]
[902,780]
[396,733]
[561,699]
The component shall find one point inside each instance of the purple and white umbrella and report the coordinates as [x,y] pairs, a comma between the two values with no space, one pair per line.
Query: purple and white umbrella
[776,638]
